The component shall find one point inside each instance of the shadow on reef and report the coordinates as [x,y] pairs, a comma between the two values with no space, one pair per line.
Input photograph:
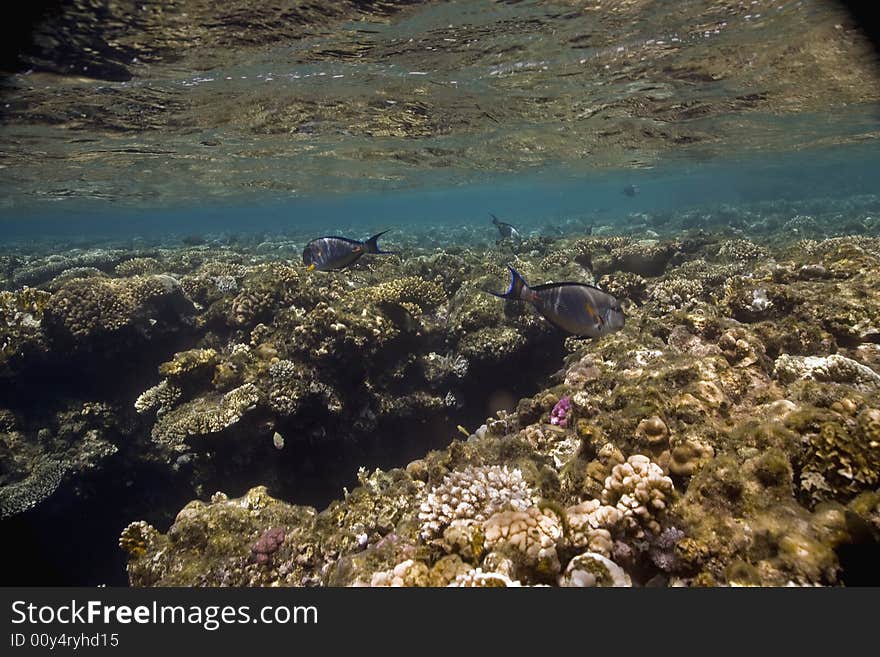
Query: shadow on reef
[267,375]
[70,539]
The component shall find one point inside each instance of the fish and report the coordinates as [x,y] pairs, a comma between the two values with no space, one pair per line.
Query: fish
[506,230]
[330,253]
[630,190]
[576,308]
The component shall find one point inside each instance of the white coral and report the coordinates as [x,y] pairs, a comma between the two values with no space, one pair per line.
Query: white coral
[590,525]
[639,490]
[474,494]
[532,535]
[161,397]
[478,579]
[834,368]
[592,569]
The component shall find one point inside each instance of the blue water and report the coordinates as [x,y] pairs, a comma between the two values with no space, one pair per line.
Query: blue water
[532,200]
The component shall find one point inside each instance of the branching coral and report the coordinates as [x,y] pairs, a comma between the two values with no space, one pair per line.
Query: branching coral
[474,493]
[204,416]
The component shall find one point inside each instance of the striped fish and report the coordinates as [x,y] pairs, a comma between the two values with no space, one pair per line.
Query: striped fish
[328,253]
[577,308]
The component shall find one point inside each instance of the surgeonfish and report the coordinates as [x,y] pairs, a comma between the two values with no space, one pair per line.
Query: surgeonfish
[630,190]
[328,253]
[578,308]
[506,230]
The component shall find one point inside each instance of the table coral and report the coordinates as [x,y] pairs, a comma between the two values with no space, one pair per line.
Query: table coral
[204,416]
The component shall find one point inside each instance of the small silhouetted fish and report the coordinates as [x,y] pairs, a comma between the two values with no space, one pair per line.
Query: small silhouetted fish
[326,253]
[506,230]
[578,308]
[630,190]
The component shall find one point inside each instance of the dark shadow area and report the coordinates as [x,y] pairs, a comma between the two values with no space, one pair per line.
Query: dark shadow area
[71,538]
[859,563]
[864,12]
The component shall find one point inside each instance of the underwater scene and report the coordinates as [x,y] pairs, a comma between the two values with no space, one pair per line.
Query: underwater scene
[418,293]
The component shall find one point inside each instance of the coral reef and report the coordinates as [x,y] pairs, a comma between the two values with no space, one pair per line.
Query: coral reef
[727,435]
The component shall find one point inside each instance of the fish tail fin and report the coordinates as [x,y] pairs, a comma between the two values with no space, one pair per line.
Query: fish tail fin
[494,219]
[517,285]
[373,245]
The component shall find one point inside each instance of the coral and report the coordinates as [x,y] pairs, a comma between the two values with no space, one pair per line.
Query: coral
[687,456]
[186,363]
[225,284]
[267,545]
[266,288]
[328,334]
[749,299]
[560,412]
[439,368]
[328,365]
[742,250]
[204,416]
[676,293]
[592,569]
[841,458]
[473,494]
[161,397]
[406,573]
[625,285]
[492,344]
[137,538]
[445,269]
[138,267]
[39,484]
[590,525]
[21,336]
[640,491]
[645,258]
[529,537]
[212,543]
[292,386]
[55,265]
[652,432]
[476,578]
[90,308]
[411,293]
[834,368]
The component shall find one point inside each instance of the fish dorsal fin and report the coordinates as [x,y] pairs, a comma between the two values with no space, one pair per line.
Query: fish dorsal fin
[548,286]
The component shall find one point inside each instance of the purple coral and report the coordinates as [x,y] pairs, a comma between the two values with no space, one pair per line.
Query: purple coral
[267,545]
[559,414]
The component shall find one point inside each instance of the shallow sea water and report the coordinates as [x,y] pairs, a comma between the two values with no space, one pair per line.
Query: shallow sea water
[163,166]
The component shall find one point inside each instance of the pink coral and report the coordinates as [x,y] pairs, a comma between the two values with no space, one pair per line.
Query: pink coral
[559,414]
[267,545]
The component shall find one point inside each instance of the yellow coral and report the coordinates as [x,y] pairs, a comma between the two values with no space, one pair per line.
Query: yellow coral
[414,294]
[185,362]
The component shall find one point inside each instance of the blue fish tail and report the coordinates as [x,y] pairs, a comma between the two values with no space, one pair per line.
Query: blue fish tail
[372,245]
[517,285]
